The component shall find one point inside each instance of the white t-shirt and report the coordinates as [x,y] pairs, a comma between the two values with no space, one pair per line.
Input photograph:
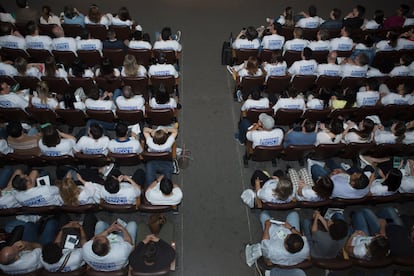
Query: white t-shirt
[89,44]
[142,72]
[320,45]
[156,197]
[39,42]
[308,194]
[76,105]
[266,193]
[28,261]
[273,42]
[384,137]
[162,70]
[289,103]
[104,21]
[152,147]
[296,44]
[117,21]
[407,184]
[244,73]
[7,70]
[167,45]
[11,41]
[171,104]
[116,259]
[394,98]
[315,104]
[384,45]
[309,22]
[401,70]
[7,17]
[360,244]
[409,21]
[409,137]
[374,72]
[139,44]
[370,25]
[13,100]
[244,43]
[259,104]
[323,137]
[4,147]
[32,72]
[124,147]
[74,262]
[51,103]
[273,69]
[39,196]
[350,70]
[328,69]
[377,189]
[8,200]
[303,67]
[64,44]
[100,104]
[127,194]
[341,44]
[89,193]
[88,145]
[137,102]
[63,148]
[367,98]
[273,137]
[352,137]
[404,43]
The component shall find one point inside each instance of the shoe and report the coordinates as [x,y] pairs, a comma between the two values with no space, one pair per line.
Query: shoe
[236,137]
[311,162]
[176,167]
[239,96]
[178,36]
[107,169]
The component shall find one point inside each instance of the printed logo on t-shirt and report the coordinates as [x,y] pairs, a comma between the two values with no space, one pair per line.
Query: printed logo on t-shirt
[344,47]
[116,200]
[161,73]
[330,72]
[275,44]
[88,46]
[11,44]
[277,71]
[297,47]
[35,201]
[35,45]
[62,46]
[93,151]
[307,69]
[273,141]
[311,24]
[246,46]
[369,100]
[123,150]
[358,73]
[6,104]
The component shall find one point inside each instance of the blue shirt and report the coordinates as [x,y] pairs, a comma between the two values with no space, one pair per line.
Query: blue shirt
[299,138]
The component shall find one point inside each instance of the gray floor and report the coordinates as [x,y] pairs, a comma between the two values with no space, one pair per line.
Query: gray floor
[213,225]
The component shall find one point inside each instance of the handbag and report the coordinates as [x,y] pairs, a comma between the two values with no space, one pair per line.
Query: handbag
[62,266]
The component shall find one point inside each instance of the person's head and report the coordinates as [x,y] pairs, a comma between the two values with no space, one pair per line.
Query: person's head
[4,88]
[51,253]
[32,28]
[43,91]
[379,247]
[392,38]
[359,180]
[284,189]
[372,84]
[335,14]
[403,89]
[58,31]
[166,186]
[362,59]
[146,37]
[85,34]
[323,34]
[338,229]
[21,182]
[95,131]
[288,12]
[5,29]
[297,32]
[121,130]
[46,11]
[251,33]
[359,11]
[69,12]
[123,14]
[308,126]
[252,65]
[150,253]
[161,95]
[9,255]
[266,121]
[21,65]
[101,245]
[94,14]
[107,68]
[111,34]
[256,95]
[93,93]
[276,57]
[22,3]
[312,11]
[78,68]
[294,243]
[336,126]
[292,92]
[137,35]
[307,53]
[379,16]
[14,129]
[130,66]
[403,10]
[50,137]
[69,192]
[161,58]
[155,222]
[160,136]
[50,66]
[405,60]
[331,58]
[398,129]
[393,180]
[111,185]
[323,187]
[345,31]
[166,33]
[127,92]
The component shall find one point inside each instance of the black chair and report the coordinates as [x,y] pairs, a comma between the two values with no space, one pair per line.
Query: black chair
[128,159]
[169,83]
[72,30]
[27,82]
[14,114]
[253,114]
[325,151]
[122,32]
[277,85]
[38,55]
[12,54]
[262,154]
[116,56]
[243,54]
[109,84]
[101,115]
[287,117]
[90,57]
[316,115]
[7,79]
[170,55]
[97,31]
[139,85]
[85,83]
[327,82]
[303,83]
[291,56]
[64,57]
[160,117]
[42,115]
[297,153]
[55,84]
[131,117]
[143,56]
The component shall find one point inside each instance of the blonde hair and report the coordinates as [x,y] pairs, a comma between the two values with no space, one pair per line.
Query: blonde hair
[130,66]
[43,92]
[284,189]
[69,192]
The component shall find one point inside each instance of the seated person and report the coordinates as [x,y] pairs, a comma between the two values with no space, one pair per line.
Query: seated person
[276,67]
[21,257]
[99,102]
[350,184]
[255,100]
[138,41]
[326,242]
[402,69]
[132,69]
[394,136]
[283,244]
[55,142]
[305,135]
[323,43]
[368,95]
[330,133]
[297,43]
[306,66]
[109,249]
[355,68]
[74,195]
[334,21]
[163,192]
[43,97]
[94,143]
[10,38]
[87,43]
[166,42]
[129,101]
[306,189]
[374,23]
[292,101]
[61,42]
[36,41]
[72,16]
[261,133]
[113,42]
[53,69]
[272,189]
[361,134]
[401,97]
[161,68]
[342,43]
[397,20]
[25,69]
[271,39]
[367,242]
[247,39]
[163,100]
[22,142]
[330,68]
[122,189]
[124,144]
[355,18]
[7,194]
[30,194]
[11,100]
[309,19]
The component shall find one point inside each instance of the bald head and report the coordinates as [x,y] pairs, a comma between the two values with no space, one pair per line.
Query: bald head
[58,31]
[8,255]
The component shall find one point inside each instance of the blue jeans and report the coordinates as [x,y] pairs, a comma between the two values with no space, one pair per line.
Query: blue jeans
[243,127]
[318,171]
[292,218]
[5,174]
[31,230]
[157,166]
[365,220]
[131,228]
[117,92]
[389,214]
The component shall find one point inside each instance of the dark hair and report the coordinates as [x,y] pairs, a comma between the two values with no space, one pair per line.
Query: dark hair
[96,130]
[393,38]
[294,243]
[379,16]
[127,92]
[404,9]
[69,12]
[336,13]
[47,9]
[349,97]
[276,57]
[309,125]
[292,92]
[361,11]
[363,59]
[51,253]
[100,248]
[5,29]
[21,3]
[19,183]
[406,59]
[312,11]
[161,58]
[166,33]
[379,247]
[372,83]
[160,136]
[107,68]
[111,184]
[400,130]
[137,35]
[14,129]
[323,187]
[149,253]
[324,34]
[78,67]
[361,182]
[298,31]
[161,95]
[251,33]
[50,66]
[121,129]
[386,65]
[307,53]
[368,126]
[123,14]
[146,37]
[31,27]
[336,126]
[338,229]
[166,186]
[93,93]
[110,34]
[94,14]
[393,180]
[50,137]
[256,94]
[21,65]
[69,99]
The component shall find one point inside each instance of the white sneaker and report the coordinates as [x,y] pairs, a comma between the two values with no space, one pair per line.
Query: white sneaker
[176,167]
[239,96]
[311,162]
[178,36]
[107,169]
